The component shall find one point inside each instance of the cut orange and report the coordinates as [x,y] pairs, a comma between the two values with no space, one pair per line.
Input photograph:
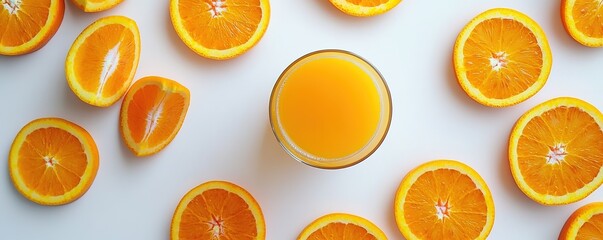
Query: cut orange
[152,113]
[95,5]
[556,151]
[218,210]
[585,223]
[444,199]
[103,59]
[341,226]
[502,57]
[27,25]
[220,29]
[53,161]
[583,20]
[365,8]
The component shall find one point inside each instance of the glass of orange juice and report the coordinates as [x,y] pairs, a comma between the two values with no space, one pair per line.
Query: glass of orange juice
[330,109]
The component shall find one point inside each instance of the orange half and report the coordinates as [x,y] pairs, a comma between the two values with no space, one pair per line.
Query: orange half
[583,21]
[218,210]
[96,5]
[27,25]
[502,57]
[102,61]
[219,29]
[152,113]
[585,223]
[341,226]
[53,161]
[556,151]
[444,199]
[365,8]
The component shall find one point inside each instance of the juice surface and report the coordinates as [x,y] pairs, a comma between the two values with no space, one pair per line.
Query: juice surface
[329,107]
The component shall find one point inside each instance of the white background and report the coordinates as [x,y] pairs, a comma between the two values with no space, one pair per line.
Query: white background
[227,135]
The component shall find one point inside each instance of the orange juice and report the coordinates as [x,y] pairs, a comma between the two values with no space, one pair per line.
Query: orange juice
[330,109]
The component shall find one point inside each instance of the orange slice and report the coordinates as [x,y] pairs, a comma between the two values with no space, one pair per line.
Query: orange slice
[96,5]
[502,58]
[103,59]
[365,8]
[584,223]
[220,29]
[152,113]
[218,210]
[53,161]
[27,25]
[342,226]
[583,21]
[556,151]
[444,199]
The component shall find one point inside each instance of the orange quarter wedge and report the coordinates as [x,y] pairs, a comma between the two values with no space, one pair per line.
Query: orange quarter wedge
[95,5]
[444,199]
[341,226]
[556,151]
[220,29]
[27,25]
[103,60]
[502,57]
[365,8]
[218,210]
[152,113]
[53,161]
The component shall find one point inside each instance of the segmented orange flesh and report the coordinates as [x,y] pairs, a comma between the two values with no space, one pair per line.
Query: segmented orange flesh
[152,113]
[586,223]
[367,3]
[27,25]
[53,161]
[502,58]
[111,42]
[560,151]
[344,230]
[342,226]
[220,24]
[588,16]
[218,211]
[152,100]
[462,206]
[592,229]
[27,21]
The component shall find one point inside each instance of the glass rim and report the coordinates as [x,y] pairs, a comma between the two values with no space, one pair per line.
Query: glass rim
[353,158]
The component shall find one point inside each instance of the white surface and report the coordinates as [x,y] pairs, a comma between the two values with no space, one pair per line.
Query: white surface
[227,136]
